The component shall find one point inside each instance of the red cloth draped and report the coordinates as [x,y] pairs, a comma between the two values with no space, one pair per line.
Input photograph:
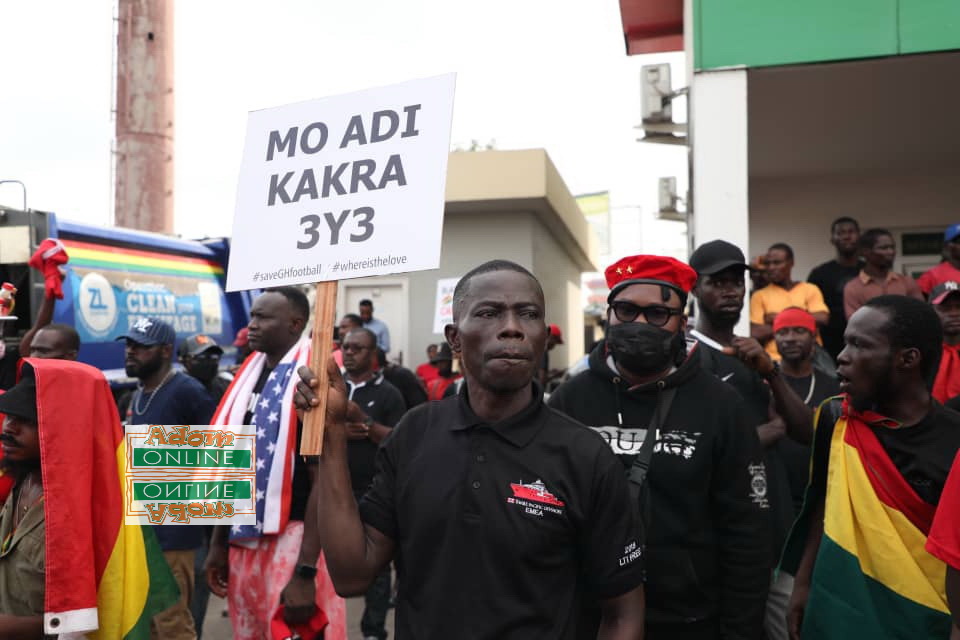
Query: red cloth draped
[947,384]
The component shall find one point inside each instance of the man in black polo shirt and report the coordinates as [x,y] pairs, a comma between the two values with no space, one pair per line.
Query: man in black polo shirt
[504,515]
[374,407]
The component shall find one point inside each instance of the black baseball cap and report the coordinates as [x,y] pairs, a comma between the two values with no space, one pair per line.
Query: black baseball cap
[197,344]
[715,256]
[943,290]
[20,400]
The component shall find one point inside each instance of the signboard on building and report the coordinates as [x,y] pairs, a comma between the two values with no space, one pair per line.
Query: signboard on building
[443,315]
[596,209]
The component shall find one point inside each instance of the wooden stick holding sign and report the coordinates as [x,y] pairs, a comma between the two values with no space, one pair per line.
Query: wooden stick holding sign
[341,187]
[324,308]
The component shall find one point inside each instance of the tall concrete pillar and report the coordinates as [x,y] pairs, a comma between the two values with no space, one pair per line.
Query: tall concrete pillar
[719,137]
[144,134]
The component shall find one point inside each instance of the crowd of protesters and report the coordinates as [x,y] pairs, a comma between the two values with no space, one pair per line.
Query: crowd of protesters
[686,483]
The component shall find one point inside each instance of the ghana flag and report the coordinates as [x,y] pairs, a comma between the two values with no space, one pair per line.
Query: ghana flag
[104,579]
[872,577]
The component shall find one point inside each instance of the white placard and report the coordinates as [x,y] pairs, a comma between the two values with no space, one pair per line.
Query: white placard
[444,309]
[343,187]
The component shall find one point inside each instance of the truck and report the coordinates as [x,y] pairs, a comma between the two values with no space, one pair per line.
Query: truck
[117,276]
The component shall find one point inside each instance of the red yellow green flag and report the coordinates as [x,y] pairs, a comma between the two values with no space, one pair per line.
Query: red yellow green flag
[103,577]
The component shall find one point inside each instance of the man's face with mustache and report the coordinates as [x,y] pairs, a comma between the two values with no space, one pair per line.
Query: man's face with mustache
[20,442]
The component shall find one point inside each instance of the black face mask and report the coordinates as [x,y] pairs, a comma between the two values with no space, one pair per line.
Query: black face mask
[204,371]
[645,349]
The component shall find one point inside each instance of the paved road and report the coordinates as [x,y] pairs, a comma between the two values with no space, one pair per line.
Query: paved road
[217,626]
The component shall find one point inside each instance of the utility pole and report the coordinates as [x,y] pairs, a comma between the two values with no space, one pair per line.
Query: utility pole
[144,134]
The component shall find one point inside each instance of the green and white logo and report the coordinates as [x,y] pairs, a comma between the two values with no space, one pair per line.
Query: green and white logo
[190,474]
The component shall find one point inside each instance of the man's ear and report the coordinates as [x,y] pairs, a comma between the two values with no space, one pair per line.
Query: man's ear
[909,358]
[297,325]
[452,333]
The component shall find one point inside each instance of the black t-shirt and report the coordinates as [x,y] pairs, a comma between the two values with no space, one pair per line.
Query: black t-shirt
[796,456]
[407,383]
[922,453]
[8,366]
[502,529]
[830,277]
[383,402]
[756,394]
[218,386]
[300,487]
[747,382]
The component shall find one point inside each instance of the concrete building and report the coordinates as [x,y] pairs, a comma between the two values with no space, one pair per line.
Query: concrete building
[499,204]
[803,112]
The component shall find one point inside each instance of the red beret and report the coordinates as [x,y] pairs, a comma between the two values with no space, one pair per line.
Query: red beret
[794,317]
[660,270]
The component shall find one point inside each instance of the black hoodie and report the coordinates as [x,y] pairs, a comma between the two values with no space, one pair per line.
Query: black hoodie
[708,544]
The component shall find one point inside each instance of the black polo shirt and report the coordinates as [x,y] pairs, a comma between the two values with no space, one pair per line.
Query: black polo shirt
[384,403]
[502,530]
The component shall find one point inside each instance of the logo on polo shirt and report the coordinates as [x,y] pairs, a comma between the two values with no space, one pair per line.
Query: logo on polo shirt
[534,498]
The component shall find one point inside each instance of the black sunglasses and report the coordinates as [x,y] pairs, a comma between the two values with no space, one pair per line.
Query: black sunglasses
[655,315]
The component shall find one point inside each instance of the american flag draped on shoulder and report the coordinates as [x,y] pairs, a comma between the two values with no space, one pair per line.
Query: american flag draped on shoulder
[276,447]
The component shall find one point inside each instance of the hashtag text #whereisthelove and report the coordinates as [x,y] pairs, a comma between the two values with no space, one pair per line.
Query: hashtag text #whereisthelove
[369,263]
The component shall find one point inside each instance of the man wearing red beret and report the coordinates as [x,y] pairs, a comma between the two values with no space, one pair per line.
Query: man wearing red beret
[705,497]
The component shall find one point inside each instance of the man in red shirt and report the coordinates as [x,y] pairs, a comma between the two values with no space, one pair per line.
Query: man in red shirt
[428,371]
[446,377]
[945,299]
[947,270]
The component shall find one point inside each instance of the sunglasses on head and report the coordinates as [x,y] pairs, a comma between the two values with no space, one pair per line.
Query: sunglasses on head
[656,315]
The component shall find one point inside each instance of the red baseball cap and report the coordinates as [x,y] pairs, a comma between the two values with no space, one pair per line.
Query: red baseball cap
[310,630]
[647,269]
[556,333]
[241,339]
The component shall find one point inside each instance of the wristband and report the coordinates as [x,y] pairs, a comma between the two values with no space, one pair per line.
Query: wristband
[774,373]
[305,571]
